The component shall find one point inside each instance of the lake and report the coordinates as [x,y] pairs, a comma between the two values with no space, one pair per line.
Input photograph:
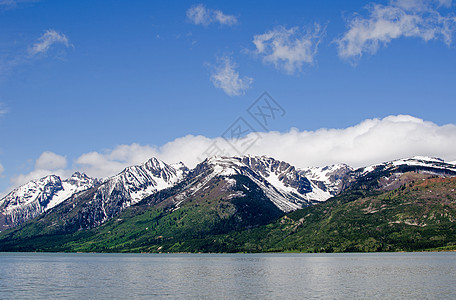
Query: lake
[228,276]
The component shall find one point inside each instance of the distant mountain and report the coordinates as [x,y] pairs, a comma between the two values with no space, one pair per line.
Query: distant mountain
[284,185]
[387,175]
[106,200]
[100,200]
[156,206]
[137,182]
[431,165]
[419,215]
[331,179]
[288,187]
[250,191]
[37,196]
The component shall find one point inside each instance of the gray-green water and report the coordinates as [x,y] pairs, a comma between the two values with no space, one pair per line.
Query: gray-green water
[228,276]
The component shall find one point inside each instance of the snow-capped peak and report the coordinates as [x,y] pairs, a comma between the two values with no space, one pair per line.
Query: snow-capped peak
[40,195]
[225,166]
[287,188]
[325,173]
[416,161]
[76,183]
[35,190]
[140,181]
[427,158]
[331,179]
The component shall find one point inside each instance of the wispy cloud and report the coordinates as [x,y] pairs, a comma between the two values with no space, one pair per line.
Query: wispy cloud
[421,5]
[47,40]
[8,2]
[227,78]
[1,169]
[3,109]
[401,18]
[11,4]
[289,49]
[200,15]
[38,50]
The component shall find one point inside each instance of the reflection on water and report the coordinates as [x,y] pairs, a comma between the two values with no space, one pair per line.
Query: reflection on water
[246,276]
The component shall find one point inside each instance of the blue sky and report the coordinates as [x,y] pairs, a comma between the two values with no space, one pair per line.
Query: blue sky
[99,85]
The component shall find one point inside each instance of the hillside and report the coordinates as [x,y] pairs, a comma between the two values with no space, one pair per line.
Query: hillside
[419,215]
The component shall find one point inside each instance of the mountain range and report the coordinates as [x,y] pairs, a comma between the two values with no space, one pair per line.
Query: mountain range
[287,187]
[220,196]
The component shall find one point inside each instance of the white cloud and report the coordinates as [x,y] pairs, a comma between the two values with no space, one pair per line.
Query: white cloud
[47,40]
[21,179]
[200,15]
[107,164]
[188,149]
[369,142]
[227,78]
[1,169]
[224,19]
[50,161]
[420,5]
[402,18]
[289,49]
[100,165]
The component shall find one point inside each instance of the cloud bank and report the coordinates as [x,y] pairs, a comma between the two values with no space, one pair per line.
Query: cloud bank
[369,142]
[401,18]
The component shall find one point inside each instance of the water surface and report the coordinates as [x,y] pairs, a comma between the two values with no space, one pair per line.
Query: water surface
[228,276]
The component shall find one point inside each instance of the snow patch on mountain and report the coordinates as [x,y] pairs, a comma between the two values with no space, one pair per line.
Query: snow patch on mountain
[78,182]
[40,195]
[418,161]
[225,166]
[133,184]
[143,180]
[39,190]
[282,183]
[329,179]
[288,187]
